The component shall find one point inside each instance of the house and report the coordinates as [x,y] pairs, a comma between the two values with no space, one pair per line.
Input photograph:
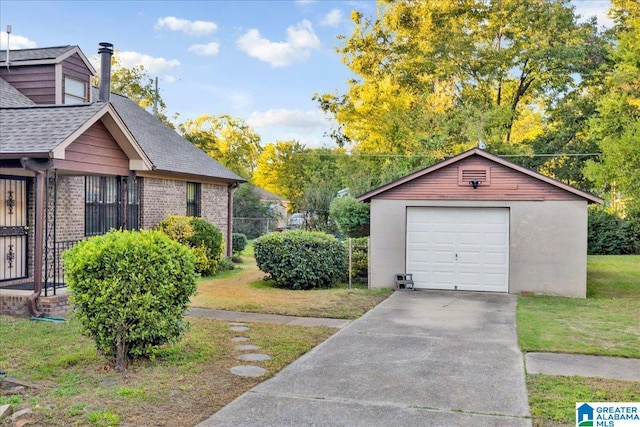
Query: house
[477,222]
[277,204]
[76,162]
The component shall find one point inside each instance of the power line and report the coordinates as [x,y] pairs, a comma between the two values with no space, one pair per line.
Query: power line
[426,155]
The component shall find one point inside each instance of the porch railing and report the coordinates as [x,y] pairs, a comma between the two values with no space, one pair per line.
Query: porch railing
[54,270]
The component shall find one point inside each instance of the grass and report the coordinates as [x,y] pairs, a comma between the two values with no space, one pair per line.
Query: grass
[183,384]
[244,289]
[553,398]
[606,323]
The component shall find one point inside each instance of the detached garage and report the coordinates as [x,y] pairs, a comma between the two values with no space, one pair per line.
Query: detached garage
[477,222]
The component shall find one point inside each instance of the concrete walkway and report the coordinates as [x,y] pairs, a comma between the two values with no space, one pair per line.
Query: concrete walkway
[617,368]
[418,358]
[236,316]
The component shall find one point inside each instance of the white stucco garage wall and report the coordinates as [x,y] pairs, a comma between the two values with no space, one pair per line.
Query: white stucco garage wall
[547,245]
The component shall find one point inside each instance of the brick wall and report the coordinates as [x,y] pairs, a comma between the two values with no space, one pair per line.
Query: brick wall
[70,209]
[16,305]
[214,205]
[162,197]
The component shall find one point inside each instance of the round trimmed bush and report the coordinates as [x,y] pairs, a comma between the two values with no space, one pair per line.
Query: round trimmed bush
[130,290]
[300,259]
[239,242]
[204,238]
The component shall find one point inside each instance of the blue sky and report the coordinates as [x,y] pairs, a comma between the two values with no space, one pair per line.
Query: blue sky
[258,60]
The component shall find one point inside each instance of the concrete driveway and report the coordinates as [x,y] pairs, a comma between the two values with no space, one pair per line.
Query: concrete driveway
[423,358]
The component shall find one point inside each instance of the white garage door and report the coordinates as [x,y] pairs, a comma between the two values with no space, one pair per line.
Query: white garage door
[458,248]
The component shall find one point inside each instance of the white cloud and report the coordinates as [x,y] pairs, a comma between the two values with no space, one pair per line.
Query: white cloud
[151,65]
[332,18]
[209,49]
[301,40]
[280,117]
[597,8]
[190,28]
[16,42]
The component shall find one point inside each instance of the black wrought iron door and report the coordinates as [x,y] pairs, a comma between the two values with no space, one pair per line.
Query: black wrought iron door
[13,228]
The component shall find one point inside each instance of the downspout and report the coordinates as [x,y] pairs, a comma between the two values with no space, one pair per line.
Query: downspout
[39,169]
[230,189]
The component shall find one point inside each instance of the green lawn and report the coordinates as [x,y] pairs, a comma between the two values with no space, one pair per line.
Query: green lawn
[606,323]
[244,289]
[180,386]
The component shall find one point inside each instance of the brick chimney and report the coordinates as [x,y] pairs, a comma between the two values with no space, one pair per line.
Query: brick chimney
[106,52]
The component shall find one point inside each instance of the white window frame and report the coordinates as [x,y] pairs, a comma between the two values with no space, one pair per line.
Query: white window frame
[72,89]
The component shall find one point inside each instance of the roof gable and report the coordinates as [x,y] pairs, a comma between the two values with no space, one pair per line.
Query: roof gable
[165,148]
[498,179]
[47,130]
[43,56]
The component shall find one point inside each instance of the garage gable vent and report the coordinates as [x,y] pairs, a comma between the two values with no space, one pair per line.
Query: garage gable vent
[478,174]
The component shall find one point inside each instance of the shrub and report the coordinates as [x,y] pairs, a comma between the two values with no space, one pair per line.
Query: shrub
[351,216]
[130,290]
[300,259]
[608,234]
[178,228]
[239,242]
[226,265]
[204,238]
[207,235]
[359,257]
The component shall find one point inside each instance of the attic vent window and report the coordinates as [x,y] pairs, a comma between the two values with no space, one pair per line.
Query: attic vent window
[478,175]
[75,91]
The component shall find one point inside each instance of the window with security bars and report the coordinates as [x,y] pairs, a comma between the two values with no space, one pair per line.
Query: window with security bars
[111,202]
[193,199]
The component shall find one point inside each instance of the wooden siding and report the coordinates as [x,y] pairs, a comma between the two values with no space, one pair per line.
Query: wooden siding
[75,68]
[37,82]
[95,151]
[505,184]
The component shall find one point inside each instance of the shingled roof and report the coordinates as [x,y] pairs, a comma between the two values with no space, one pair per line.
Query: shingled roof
[164,147]
[39,129]
[11,97]
[31,129]
[43,55]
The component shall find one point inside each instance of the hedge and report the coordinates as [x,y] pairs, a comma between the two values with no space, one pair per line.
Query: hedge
[301,259]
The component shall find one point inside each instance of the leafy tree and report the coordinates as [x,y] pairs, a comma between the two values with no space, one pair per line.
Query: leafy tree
[130,290]
[136,84]
[227,139]
[351,216]
[435,77]
[567,121]
[249,210]
[280,169]
[617,127]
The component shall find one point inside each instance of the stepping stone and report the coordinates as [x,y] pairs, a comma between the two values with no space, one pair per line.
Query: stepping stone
[239,339]
[237,324]
[248,371]
[247,347]
[254,357]
[239,328]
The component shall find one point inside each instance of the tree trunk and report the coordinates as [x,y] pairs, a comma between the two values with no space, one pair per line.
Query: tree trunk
[121,352]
